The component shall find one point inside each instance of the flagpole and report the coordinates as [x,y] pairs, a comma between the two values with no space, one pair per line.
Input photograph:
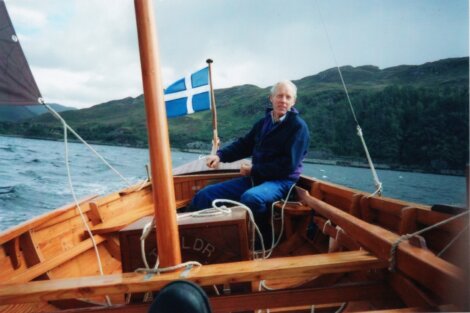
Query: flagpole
[159,143]
[215,137]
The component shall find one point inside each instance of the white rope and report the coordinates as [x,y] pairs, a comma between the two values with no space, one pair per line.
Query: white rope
[156,269]
[274,241]
[341,308]
[377,183]
[328,222]
[56,115]
[159,270]
[214,211]
[255,228]
[145,232]
[69,175]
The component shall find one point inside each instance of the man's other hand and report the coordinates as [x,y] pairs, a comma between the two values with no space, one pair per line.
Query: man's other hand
[245,170]
[212,161]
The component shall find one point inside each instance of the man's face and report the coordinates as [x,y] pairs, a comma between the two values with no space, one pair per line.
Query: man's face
[283,100]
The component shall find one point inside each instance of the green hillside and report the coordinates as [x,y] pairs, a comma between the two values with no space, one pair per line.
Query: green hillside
[15,113]
[416,116]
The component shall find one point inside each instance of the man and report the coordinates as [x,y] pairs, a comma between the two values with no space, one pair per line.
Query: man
[277,144]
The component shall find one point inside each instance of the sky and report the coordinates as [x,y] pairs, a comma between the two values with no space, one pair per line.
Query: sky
[85,52]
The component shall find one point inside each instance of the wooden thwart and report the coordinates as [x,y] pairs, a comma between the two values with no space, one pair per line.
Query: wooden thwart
[301,266]
[285,298]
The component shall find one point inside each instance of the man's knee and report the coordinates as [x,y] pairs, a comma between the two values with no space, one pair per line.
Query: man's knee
[202,199]
[254,201]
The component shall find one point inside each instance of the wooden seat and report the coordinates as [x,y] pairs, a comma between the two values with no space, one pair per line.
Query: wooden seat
[301,266]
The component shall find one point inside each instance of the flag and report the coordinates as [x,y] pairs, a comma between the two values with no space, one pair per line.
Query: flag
[188,95]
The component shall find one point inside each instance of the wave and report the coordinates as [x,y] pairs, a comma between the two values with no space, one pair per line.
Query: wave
[7,189]
[8,148]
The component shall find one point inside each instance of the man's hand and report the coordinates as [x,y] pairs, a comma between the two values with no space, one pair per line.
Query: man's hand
[245,170]
[213,161]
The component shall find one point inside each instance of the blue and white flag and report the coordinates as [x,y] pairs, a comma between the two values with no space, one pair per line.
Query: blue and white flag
[188,95]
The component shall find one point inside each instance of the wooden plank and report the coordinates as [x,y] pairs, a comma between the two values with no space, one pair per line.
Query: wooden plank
[277,299]
[143,308]
[27,308]
[408,221]
[11,233]
[430,217]
[94,215]
[409,292]
[422,265]
[41,268]
[60,237]
[32,254]
[63,217]
[13,249]
[296,297]
[107,199]
[178,191]
[112,245]
[199,166]
[355,208]
[316,190]
[409,310]
[85,287]
[119,222]
[206,176]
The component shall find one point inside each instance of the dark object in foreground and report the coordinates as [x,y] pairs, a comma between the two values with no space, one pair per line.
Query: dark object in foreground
[181,296]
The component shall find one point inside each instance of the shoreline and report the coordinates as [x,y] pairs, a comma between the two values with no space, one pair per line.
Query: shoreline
[358,164]
[333,162]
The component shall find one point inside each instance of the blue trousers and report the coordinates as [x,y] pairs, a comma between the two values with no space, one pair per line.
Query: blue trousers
[258,198]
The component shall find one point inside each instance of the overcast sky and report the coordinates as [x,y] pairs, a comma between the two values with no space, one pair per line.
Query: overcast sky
[84,52]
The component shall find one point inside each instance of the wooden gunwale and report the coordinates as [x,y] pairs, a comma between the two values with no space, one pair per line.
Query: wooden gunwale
[288,267]
[16,231]
[421,265]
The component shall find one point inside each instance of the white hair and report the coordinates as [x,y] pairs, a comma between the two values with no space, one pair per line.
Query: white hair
[285,83]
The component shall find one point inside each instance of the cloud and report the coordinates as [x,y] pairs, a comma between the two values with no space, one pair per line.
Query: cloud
[84,52]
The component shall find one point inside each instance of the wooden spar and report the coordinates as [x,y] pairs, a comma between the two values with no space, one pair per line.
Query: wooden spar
[159,143]
[442,278]
[215,137]
[279,268]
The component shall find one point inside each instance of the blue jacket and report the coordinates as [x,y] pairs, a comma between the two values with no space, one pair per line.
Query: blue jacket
[277,150]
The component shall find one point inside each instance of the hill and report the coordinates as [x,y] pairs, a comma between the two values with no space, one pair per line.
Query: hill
[411,115]
[16,113]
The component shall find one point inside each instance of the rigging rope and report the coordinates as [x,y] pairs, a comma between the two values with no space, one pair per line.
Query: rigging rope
[99,156]
[377,183]
[69,175]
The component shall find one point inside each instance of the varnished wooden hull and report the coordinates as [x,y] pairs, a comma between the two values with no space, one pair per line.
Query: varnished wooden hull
[338,253]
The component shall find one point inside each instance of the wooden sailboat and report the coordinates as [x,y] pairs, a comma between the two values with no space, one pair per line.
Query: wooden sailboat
[342,249]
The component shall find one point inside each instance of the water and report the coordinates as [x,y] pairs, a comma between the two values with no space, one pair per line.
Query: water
[33,177]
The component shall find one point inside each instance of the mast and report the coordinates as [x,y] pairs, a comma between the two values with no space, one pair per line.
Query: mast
[159,144]
[215,137]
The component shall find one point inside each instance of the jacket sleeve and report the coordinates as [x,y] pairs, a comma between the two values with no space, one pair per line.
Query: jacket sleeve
[283,165]
[242,148]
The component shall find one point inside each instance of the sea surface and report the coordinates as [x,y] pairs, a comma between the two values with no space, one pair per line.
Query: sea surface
[33,177]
